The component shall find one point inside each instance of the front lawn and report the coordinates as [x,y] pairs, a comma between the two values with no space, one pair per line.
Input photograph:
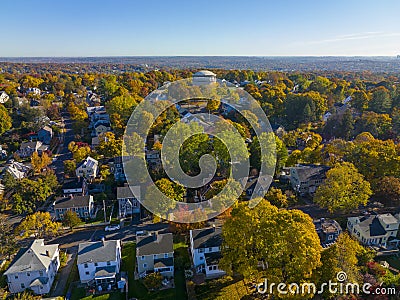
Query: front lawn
[79,293]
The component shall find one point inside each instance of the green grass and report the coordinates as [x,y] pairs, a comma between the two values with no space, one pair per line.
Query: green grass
[136,287]
[225,288]
[79,293]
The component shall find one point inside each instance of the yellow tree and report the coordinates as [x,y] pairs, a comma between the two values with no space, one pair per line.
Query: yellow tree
[40,162]
[39,224]
[343,189]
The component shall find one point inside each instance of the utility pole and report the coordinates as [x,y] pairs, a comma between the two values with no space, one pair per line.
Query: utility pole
[104,208]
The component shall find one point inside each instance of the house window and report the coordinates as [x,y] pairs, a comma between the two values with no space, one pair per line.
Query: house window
[165,255]
[96,264]
[210,249]
[330,237]
[214,267]
[144,265]
[201,257]
[28,274]
[155,256]
[142,257]
[108,263]
[40,273]
[16,276]
[201,250]
[22,285]
[87,273]
[210,268]
[85,266]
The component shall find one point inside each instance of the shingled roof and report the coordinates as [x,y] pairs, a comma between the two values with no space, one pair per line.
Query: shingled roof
[156,243]
[207,237]
[101,251]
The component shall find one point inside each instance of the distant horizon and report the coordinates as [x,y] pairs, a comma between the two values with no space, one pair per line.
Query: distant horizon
[244,55]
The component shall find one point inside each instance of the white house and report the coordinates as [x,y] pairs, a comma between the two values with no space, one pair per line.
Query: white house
[205,247]
[33,90]
[100,127]
[155,253]
[128,204]
[204,77]
[27,148]
[87,168]
[34,268]
[3,97]
[17,170]
[373,229]
[99,262]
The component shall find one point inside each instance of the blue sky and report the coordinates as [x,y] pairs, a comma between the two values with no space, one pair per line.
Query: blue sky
[193,27]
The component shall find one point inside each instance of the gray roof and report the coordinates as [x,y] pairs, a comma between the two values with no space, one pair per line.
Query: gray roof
[309,172]
[126,192]
[163,262]
[33,145]
[204,73]
[207,237]
[101,251]
[39,281]
[105,271]
[33,258]
[73,201]
[154,244]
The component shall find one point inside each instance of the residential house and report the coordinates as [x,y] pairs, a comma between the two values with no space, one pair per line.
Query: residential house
[17,170]
[204,77]
[27,148]
[45,135]
[3,153]
[75,186]
[99,263]
[205,247]
[34,267]
[328,231]
[128,203]
[155,253]
[33,90]
[87,168]
[305,179]
[101,127]
[3,97]
[153,158]
[82,205]
[374,229]
[117,168]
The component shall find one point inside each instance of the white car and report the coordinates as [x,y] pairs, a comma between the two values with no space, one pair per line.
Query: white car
[112,227]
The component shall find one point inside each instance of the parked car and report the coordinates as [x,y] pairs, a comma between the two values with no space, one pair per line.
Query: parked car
[112,227]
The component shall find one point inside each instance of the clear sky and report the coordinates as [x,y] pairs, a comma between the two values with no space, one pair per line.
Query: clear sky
[199,27]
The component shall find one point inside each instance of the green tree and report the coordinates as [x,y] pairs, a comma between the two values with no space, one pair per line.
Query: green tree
[109,145]
[381,101]
[270,243]
[69,167]
[343,189]
[5,120]
[153,281]
[7,238]
[71,219]
[277,198]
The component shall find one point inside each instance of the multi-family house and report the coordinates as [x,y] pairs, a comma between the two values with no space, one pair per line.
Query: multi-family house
[75,186]
[87,168]
[117,168]
[328,231]
[82,205]
[374,229]
[99,262]
[305,179]
[205,248]
[45,135]
[155,253]
[128,203]
[28,148]
[34,267]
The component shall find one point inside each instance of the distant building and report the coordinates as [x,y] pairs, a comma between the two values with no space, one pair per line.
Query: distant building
[373,229]
[306,178]
[34,268]
[87,168]
[128,204]
[328,231]
[3,97]
[204,77]
[45,135]
[75,186]
[205,247]
[155,253]
[99,263]
[17,170]
[82,205]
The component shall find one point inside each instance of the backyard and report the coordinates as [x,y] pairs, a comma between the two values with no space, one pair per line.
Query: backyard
[136,287]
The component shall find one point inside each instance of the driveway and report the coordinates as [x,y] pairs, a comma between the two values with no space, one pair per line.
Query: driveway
[61,284]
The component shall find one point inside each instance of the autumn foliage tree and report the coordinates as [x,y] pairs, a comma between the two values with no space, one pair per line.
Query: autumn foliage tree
[40,162]
[39,224]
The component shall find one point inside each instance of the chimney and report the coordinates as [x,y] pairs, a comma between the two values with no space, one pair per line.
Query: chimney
[103,239]
[47,253]
[213,226]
